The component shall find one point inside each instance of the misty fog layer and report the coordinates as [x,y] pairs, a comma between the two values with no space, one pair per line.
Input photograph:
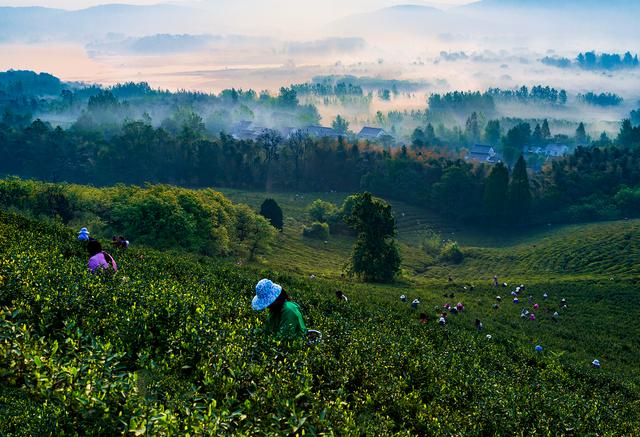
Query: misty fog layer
[207,46]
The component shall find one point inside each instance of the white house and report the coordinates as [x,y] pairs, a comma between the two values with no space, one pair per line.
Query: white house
[483,153]
[371,133]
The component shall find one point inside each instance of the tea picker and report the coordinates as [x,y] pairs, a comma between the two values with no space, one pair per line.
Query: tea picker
[415,304]
[83,235]
[313,337]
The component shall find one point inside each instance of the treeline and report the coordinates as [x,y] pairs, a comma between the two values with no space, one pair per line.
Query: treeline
[25,95]
[538,93]
[602,99]
[457,103]
[328,89]
[160,216]
[451,187]
[594,61]
[444,107]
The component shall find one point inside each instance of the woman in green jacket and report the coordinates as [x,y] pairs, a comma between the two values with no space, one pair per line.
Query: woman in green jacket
[285,318]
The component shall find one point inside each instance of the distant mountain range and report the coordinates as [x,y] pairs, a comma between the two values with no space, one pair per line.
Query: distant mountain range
[34,24]
[572,18]
[43,24]
[555,4]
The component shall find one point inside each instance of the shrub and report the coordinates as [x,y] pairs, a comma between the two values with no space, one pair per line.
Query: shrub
[451,252]
[431,242]
[321,211]
[160,216]
[316,230]
[628,200]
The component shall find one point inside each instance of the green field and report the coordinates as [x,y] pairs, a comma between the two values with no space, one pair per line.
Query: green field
[594,250]
[171,346]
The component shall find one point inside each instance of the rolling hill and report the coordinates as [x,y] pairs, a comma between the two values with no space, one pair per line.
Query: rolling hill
[598,250]
[38,24]
[170,345]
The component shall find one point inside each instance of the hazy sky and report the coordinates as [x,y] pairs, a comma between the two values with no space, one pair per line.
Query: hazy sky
[79,4]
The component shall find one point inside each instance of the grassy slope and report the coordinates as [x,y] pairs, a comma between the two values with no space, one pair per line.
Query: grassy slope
[600,250]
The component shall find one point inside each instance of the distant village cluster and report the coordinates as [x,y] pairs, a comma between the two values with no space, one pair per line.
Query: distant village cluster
[248,130]
[486,154]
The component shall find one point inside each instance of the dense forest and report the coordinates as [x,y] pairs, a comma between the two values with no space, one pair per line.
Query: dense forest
[112,136]
[596,182]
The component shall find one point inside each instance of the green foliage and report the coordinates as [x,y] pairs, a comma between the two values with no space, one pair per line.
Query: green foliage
[375,256]
[184,153]
[451,252]
[492,132]
[171,346]
[322,211]
[316,230]
[519,193]
[340,125]
[495,194]
[431,242]
[438,249]
[272,212]
[159,216]
[514,142]
[628,200]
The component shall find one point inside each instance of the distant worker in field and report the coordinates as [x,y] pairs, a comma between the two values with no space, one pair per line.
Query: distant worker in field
[83,235]
[98,259]
[119,242]
[415,303]
[340,296]
[423,319]
[495,281]
[285,317]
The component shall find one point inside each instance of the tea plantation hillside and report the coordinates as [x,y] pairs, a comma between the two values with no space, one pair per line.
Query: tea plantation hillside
[609,249]
[170,346]
[598,249]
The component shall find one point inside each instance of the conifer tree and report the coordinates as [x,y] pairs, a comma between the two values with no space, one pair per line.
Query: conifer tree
[495,194]
[519,194]
[272,212]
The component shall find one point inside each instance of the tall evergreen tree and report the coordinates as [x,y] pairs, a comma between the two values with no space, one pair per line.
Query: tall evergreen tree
[340,125]
[495,193]
[272,212]
[546,132]
[519,194]
[581,134]
[492,132]
[536,137]
[515,141]
[375,257]
[472,128]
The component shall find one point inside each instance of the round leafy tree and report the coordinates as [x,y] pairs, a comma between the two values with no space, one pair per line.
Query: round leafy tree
[272,212]
[375,257]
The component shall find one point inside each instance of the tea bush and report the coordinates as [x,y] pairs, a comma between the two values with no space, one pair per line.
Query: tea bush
[169,345]
[316,230]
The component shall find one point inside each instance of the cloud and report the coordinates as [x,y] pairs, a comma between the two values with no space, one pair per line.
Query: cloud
[326,46]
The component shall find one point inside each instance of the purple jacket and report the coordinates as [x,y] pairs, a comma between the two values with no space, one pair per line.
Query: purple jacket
[99,261]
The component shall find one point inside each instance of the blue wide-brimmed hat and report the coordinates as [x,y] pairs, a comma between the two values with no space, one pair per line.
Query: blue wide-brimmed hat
[266,293]
[83,231]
